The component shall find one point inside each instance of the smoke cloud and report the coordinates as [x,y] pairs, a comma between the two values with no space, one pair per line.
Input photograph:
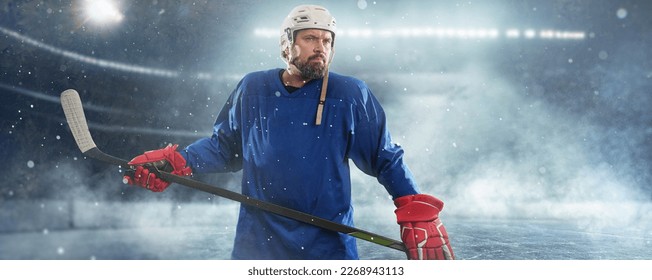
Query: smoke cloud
[490,150]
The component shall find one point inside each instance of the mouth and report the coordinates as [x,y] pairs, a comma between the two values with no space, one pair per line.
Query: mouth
[318,58]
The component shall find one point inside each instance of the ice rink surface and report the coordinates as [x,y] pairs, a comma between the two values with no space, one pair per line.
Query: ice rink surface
[472,240]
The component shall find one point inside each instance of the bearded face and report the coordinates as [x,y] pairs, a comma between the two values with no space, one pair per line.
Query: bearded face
[311,68]
[310,53]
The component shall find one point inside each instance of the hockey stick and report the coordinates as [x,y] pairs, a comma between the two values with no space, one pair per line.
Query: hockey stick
[72,107]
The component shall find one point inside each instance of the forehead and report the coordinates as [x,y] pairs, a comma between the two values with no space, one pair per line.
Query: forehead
[315,32]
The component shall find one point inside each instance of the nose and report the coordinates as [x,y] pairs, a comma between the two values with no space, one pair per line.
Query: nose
[319,48]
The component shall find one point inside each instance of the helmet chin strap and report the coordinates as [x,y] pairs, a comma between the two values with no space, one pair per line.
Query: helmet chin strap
[324,87]
[322,98]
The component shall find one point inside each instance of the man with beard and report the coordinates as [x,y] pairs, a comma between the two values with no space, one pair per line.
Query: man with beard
[292,132]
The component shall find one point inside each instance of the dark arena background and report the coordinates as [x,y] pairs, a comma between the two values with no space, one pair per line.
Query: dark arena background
[531,120]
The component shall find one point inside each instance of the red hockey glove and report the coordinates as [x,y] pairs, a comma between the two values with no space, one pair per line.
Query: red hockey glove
[424,235]
[146,166]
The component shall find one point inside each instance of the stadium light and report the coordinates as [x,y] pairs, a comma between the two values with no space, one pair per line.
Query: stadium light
[102,11]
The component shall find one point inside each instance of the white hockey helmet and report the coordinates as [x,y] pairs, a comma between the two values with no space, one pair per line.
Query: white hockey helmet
[305,17]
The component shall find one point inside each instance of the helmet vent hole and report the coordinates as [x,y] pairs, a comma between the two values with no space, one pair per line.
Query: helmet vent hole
[302,19]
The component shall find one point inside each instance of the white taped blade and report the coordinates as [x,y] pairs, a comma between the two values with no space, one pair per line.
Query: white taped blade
[72,108]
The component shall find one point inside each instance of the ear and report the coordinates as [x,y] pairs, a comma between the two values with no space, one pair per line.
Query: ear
[286,53]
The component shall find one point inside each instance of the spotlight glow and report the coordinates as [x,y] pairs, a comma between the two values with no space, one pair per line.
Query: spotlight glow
[102,11]
[513,33]
[446,33]
[530,33]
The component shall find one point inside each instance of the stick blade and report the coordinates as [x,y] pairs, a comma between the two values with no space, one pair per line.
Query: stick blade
[72,108]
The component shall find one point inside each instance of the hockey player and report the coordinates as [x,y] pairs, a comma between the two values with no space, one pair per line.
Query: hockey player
[292,132]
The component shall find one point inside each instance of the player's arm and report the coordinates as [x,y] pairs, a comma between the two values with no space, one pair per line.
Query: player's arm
[373,151]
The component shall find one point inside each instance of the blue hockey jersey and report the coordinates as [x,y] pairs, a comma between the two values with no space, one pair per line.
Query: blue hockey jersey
[270,134]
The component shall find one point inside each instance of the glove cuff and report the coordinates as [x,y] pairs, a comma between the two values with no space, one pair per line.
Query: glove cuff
[417,208]
[177,161]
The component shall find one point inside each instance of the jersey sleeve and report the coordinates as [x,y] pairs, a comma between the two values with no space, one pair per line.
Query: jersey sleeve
[222,151]
[374,153]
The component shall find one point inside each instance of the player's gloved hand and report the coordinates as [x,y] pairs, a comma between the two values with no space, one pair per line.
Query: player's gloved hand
[422,232]
[146,166]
